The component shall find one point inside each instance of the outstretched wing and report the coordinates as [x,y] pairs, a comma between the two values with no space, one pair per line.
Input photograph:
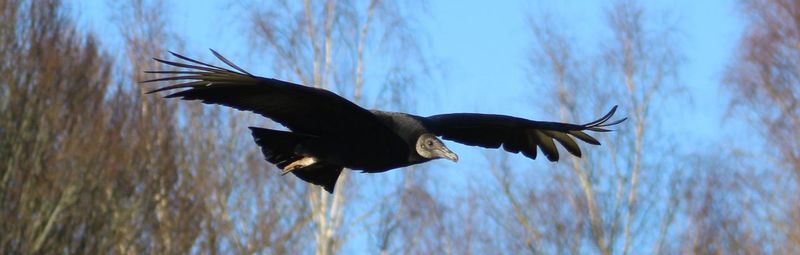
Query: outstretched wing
[516,134]
[300,108]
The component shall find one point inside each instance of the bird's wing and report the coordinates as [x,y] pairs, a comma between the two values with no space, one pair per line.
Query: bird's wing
[300,108]
[516,134]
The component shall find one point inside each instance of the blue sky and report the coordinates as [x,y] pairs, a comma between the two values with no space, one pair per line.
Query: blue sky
[481,46]
[485,44]
[481,49]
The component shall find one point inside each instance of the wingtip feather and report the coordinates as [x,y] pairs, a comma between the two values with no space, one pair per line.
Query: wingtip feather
[584,137]
[228,62]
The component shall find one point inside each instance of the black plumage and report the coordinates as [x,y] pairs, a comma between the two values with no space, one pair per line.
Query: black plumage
[329,133]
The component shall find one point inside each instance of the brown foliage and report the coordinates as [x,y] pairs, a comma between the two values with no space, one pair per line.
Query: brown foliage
[90,165]
[50,145]
[766,73]
[764,78]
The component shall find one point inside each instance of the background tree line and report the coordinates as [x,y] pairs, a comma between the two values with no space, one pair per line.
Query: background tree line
[91,165]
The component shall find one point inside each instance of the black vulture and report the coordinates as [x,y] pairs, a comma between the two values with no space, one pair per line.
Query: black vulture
[328,132]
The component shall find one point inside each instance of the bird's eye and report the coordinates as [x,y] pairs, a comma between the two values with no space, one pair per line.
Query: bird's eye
[430,143]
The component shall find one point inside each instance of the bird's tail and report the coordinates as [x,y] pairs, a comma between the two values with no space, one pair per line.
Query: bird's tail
[280,148]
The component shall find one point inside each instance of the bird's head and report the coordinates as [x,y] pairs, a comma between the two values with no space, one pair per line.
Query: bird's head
[428,146]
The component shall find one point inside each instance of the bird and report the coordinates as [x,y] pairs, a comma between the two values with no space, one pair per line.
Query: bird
[328,133]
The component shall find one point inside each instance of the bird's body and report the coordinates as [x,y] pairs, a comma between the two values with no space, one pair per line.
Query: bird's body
[369,155]
[329,133]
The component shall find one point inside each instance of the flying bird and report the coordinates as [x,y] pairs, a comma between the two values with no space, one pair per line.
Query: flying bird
[329,133]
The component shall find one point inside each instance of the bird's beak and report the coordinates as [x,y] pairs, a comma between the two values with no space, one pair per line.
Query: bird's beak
[446,153]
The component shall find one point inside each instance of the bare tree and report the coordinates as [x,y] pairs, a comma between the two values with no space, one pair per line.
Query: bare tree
[636,67]
[145,34]
[242,208]
[763,79]
[413,218]
[765,75]
[326,44]
[646,60]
